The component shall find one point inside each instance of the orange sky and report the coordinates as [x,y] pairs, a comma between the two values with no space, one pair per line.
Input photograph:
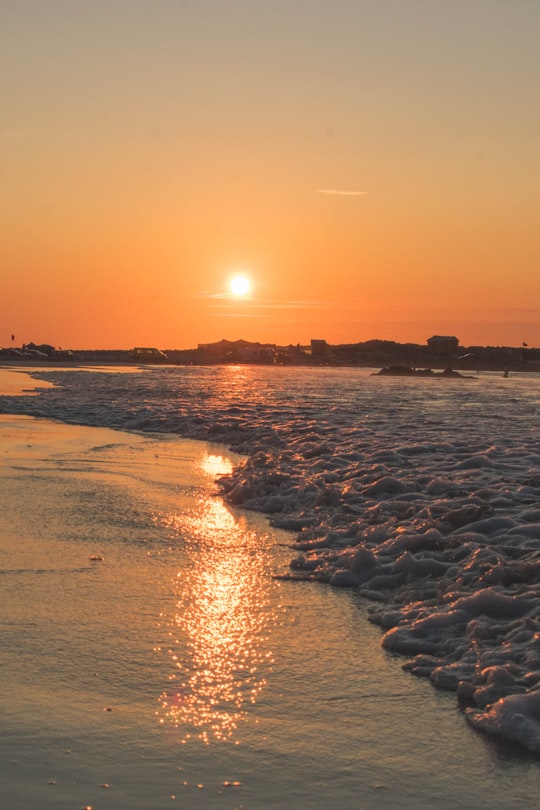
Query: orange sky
[152,149]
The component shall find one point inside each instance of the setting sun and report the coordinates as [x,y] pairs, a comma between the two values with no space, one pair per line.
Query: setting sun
[240,285]
[234,213]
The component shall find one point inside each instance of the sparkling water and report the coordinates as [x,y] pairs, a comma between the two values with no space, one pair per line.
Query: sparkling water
[156,651]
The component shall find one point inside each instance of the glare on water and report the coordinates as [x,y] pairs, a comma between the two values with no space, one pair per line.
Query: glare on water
[217,633]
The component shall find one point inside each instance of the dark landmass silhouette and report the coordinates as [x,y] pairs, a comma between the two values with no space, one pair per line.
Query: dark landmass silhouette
[411,358]
[406,371]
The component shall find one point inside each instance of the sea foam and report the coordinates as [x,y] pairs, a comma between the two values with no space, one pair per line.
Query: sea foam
[421,494]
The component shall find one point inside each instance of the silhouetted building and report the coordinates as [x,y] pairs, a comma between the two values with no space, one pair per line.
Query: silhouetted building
[319,348]
[235,351]
[443,344]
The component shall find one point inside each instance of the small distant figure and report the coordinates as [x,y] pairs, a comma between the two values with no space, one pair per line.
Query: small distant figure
[505,373]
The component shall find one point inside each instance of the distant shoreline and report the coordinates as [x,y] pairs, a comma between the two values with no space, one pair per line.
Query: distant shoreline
[379,368]
[445,353]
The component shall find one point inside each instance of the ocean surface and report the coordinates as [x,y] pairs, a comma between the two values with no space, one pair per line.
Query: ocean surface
[172,641]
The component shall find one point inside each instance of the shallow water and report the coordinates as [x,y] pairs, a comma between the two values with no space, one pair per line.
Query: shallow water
[151,660]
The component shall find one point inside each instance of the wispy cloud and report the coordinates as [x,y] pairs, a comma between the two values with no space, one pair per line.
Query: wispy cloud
[341,191]
[224,296]
[219,302]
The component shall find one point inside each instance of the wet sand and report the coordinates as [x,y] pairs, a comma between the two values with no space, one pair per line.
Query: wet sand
[18,381]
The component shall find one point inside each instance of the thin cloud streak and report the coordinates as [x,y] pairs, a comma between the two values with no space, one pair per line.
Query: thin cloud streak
[341,192]
[262,304]
[221,301]
[225,296]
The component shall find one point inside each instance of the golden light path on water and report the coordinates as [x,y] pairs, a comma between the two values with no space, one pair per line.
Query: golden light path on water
[218,632]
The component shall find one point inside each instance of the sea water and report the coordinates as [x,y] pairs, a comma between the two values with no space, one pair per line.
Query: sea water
[157,650]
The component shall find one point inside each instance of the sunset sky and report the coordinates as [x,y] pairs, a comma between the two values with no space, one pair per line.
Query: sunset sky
[372,166]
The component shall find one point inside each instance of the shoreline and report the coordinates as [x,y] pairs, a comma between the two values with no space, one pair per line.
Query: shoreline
[399,516]
[375,368]
[83,725]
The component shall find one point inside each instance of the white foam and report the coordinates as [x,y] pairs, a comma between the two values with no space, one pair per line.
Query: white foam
[516,717]
[428,505]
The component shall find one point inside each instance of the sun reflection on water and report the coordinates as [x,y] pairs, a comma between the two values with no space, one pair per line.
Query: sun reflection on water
[215,465]
[218,634]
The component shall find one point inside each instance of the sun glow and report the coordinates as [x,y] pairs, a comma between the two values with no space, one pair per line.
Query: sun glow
[240,285]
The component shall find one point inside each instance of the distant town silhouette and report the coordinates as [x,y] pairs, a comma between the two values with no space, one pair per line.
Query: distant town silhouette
[438,352]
